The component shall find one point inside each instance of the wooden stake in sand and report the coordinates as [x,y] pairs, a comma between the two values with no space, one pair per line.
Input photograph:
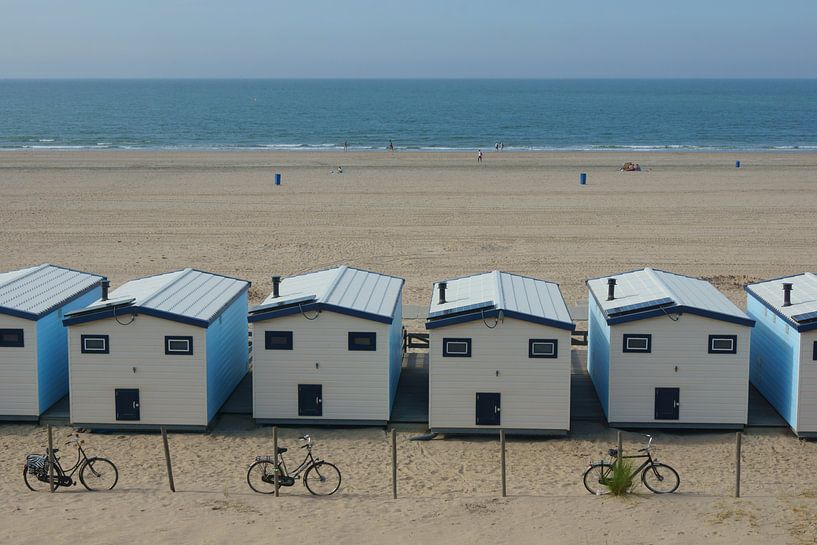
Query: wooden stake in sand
[502,461]
[50,459]
[393,464]
[738,436]
[167,460]
[618,457]
[275,457]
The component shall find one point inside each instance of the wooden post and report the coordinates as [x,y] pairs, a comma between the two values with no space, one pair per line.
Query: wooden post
[502,462]
[167,460]
[50,459]
[275,475]
[738,436]
[618,458]
[393,464]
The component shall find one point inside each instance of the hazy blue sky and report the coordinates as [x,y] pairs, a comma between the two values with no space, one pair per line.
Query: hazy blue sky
[414,38]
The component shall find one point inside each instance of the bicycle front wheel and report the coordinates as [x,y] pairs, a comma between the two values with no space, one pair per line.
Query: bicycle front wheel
[37,483]
[660,478]
[322,479]
[596,478]
[261,477]
[98,474]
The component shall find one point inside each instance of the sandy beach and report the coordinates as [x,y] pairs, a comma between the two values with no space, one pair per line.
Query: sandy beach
[423,217]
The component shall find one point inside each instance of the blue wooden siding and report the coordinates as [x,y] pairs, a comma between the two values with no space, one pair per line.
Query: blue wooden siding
[395,351]
[774,357]
[227,354]
[598,353]
[52,351]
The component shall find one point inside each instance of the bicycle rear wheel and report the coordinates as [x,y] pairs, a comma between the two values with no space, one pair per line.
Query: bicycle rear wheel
[261,476]
[596,478]
[36,483]
[322,479]
[98,474]
[660,478]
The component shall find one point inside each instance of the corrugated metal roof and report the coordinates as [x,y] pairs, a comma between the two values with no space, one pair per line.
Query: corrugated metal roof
[510,293]
[33,292]
[803,295]
[187,295]
[648,286]
[358,291]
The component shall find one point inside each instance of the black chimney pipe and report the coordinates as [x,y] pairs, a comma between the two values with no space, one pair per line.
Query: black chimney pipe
[105,285]
[787,287]
[611,289]
[443,286]
[276,284]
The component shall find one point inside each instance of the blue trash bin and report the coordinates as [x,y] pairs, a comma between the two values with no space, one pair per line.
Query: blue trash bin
[583,178]
[277,178]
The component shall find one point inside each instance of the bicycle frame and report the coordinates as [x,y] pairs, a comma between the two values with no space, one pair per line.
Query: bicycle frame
[81,458]
[309,461]
[649,462]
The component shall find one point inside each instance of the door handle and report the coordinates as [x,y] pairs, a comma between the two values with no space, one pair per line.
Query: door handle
[496,409]
[318,401]
[675,404]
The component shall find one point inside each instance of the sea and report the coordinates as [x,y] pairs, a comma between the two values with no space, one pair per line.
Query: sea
[422,115]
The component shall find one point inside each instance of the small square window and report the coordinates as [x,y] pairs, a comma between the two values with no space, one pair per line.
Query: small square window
[278,340]
[94,344]
[179,346]
[11,338]
[456,348]
[543,348]
[364,341]
[638,343]
[723,344]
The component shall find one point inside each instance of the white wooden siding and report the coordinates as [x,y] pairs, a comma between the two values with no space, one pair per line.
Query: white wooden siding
[535,391]
[807,398]
[172,388]
[18,371]
[714,388]
[355,383]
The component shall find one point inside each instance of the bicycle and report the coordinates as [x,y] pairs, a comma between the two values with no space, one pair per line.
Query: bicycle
[659,478]
[95,473]
[319,477]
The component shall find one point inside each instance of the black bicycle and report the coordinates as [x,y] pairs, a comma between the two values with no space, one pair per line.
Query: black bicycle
[95,473]
[320,478]
[659,478]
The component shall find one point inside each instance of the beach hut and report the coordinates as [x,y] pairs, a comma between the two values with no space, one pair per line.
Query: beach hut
[783,356]
[499,355]
[161,350]
[328,348]
[666,350]
[33,341]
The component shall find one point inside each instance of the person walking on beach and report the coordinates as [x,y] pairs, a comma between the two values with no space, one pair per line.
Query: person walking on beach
[345,145]
[391,146]
[479,156]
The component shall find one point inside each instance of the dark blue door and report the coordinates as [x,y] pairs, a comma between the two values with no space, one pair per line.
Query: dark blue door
[127,404]
[310,400]
[667,403]
[488,409]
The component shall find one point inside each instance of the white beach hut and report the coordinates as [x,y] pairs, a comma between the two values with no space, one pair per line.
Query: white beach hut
[666,350]
[499,355]
[783,356]
[327,348]
[161,350]
[33,341]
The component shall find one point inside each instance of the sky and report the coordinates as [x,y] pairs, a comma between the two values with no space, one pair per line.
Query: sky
[409,39]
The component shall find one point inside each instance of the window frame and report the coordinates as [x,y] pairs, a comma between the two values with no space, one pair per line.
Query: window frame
[268,345]
[554,342]
[171,338]
[85,350]
[628,336]
[356,347]
[466,340]
[712,338]
[20,343]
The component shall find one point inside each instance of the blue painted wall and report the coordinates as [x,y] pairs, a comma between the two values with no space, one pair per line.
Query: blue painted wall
[227,354]
[52,351]
[395,351]
[774,356]
[598,353]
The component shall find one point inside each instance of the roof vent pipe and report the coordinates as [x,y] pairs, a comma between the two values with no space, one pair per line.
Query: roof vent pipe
[105,285]
[611,289]
[443,286]
[276,285]
[787,287]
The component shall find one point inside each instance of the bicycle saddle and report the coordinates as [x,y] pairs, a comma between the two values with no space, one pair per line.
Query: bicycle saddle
[281,450]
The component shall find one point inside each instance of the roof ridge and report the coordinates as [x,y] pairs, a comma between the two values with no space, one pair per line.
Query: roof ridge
[341,270]
[163,287]
[500,295]
[652,273]
[35,269]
